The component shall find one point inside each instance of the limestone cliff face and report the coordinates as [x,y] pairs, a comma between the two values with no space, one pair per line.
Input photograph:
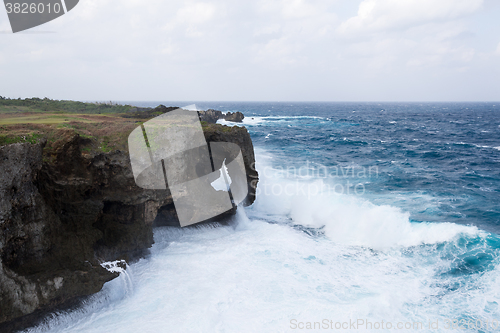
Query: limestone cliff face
[60,220]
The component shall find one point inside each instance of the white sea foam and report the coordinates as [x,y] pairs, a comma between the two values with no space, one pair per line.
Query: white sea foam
[480,146]
[247,121]
[476,145]
[255,120]
[255,276]
[349,219]
[116,266]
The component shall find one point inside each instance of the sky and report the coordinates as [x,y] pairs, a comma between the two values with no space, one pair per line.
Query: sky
[259,50]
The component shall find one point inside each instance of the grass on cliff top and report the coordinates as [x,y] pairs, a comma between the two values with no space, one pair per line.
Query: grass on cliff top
[102,135]
[8,105]
[49,118]
[104,124]
[104,132]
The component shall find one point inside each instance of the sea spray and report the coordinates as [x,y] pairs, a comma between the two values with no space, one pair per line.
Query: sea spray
[125,277]
[90,308]
[258,276]
[347,219]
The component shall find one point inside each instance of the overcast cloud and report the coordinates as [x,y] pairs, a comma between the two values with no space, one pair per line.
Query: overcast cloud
[273,50]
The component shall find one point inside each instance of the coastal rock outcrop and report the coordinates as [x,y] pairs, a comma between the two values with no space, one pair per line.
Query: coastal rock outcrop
[236,117]
[211,116]
[61,219]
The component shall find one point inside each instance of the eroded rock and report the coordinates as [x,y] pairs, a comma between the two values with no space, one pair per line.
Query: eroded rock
[60,220]
[236,117]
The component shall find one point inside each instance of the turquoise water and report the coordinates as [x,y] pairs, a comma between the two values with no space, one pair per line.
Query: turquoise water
[381,214]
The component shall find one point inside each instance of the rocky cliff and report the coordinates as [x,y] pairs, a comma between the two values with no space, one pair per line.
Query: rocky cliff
[211,116]
[60,218]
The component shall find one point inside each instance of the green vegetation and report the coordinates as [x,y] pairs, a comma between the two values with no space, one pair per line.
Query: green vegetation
[45,118]
[31,138]
[211,127]
[55,106]
[100,127]
[98,132]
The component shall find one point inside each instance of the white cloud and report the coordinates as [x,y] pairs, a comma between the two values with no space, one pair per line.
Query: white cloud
[193,17]
[398,14]
[198,12]
[260,49]
[288,32]
[292,9]
[394,34]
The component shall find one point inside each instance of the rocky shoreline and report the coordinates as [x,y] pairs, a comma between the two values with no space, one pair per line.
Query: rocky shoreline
[211,116]
[61,218]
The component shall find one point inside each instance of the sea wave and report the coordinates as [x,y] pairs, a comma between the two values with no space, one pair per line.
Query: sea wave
[349,219]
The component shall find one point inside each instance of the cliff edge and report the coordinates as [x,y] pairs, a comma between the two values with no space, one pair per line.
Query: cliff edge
[67,207]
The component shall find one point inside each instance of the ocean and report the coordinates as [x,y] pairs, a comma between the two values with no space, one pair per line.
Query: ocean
[369,217]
